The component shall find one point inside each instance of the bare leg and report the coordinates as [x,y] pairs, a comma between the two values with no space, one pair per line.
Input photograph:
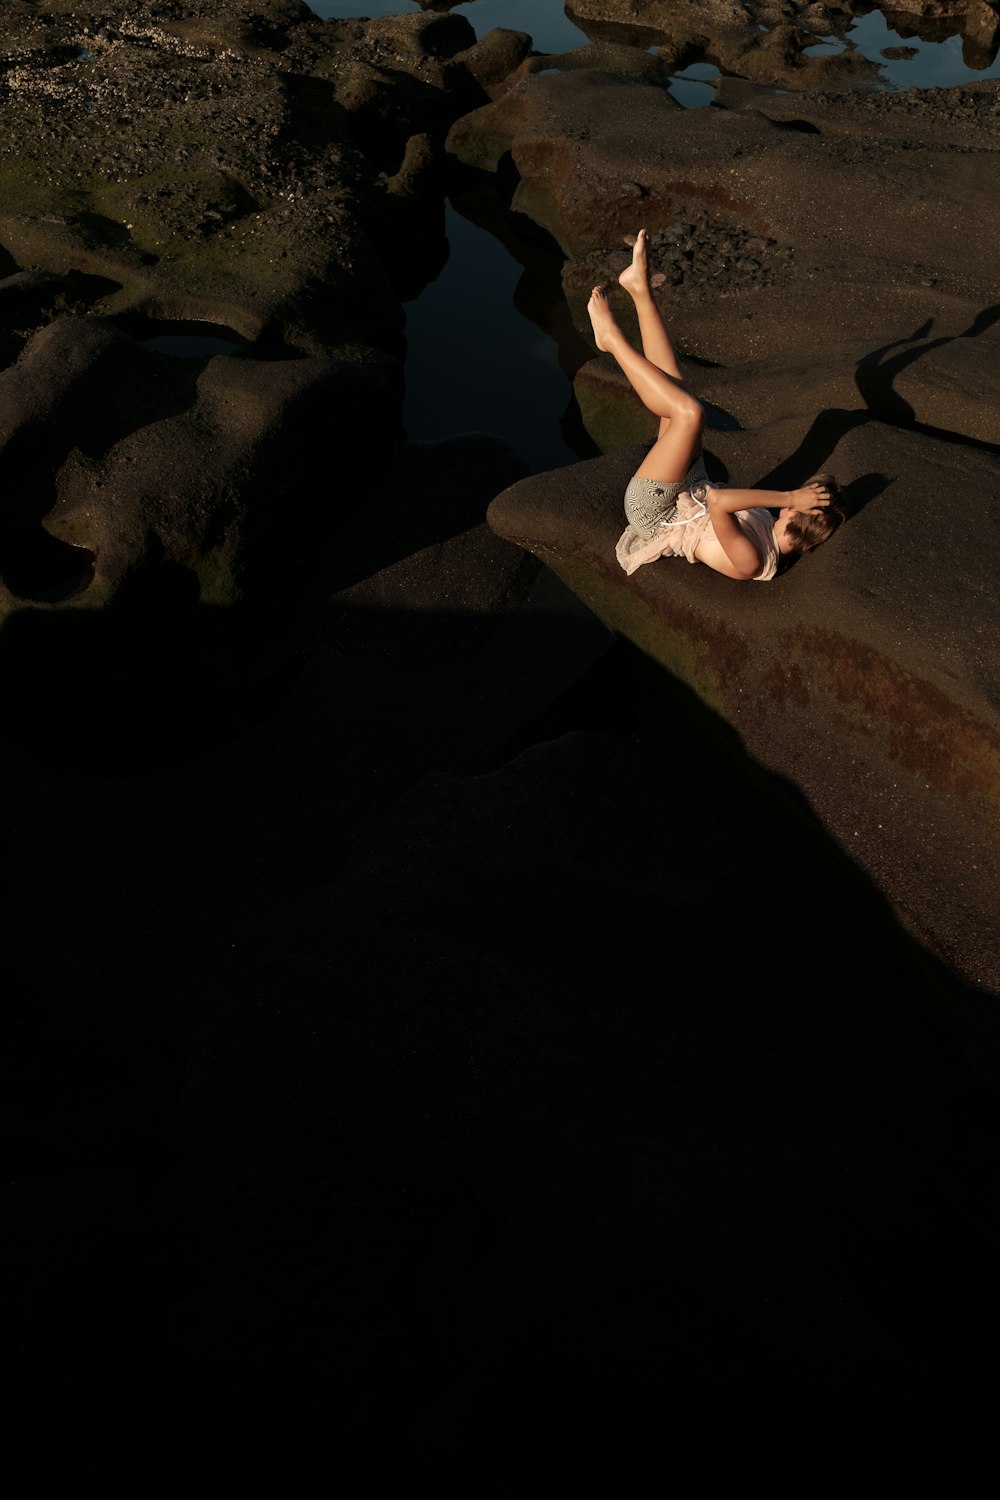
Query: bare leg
[679,443]
[656,345]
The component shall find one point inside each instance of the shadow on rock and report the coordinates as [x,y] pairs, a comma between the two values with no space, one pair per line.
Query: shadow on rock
[606,1086]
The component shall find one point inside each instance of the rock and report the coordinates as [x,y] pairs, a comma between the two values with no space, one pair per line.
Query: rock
[554,127]
[953,383]
[404,74]
[181,166]
[941,377]
[492,61]
[612,413]
[425,551]
[575,138]
[867,674]
[126,473]
[746,220]
[554,1109]
[151,158]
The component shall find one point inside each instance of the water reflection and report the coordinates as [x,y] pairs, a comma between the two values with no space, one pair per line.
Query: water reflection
[545,22]
[490,343]
[937,63]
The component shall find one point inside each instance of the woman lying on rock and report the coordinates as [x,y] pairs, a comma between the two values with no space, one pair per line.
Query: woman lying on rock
[672,508]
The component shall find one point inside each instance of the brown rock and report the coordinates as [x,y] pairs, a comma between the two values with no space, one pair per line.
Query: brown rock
[492,60]
[868,674]
[428,555]
[143,460]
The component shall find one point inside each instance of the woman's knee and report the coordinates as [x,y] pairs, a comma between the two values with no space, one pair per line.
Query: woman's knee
[690,414]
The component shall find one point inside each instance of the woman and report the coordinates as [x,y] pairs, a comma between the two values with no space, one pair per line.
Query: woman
[671,507]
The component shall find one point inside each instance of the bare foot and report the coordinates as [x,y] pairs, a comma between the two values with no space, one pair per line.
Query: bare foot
[602,318]
[635,278]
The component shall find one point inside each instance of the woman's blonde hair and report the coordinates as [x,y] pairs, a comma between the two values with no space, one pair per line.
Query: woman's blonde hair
[811,527]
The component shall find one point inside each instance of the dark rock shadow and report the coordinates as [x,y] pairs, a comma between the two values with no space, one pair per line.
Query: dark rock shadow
[495,1140]
[124,388]
[429,493]
[153,680]
[315,117]
[878,370]
[875,376]
[601,1157]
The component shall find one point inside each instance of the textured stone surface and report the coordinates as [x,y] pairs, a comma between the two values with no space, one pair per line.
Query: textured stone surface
[597,153]
[141,458]
[210,170]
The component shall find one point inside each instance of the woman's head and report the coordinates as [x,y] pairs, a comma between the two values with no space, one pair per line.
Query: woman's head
[806,529]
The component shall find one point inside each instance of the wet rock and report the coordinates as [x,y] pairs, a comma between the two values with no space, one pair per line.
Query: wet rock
[867,674]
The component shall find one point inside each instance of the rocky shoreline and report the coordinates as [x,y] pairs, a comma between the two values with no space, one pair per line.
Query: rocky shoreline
[458,1032]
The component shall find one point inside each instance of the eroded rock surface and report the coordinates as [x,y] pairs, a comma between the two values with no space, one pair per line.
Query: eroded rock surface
[141,458]
[263,177]
[597,152]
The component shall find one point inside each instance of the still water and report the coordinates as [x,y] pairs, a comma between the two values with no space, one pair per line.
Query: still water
[543,20]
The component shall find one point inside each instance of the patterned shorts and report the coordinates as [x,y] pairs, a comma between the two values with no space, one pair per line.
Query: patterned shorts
[651,504]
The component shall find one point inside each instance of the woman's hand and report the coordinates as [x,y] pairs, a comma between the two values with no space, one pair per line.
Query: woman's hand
[810,497]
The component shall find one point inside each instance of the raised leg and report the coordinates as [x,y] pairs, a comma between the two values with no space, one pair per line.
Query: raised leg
[656,345]
[679,443]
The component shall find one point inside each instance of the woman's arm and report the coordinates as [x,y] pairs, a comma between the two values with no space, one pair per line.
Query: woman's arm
[743,555]
[810,497]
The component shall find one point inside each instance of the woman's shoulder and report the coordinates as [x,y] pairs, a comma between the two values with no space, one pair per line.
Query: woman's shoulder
[758,525]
